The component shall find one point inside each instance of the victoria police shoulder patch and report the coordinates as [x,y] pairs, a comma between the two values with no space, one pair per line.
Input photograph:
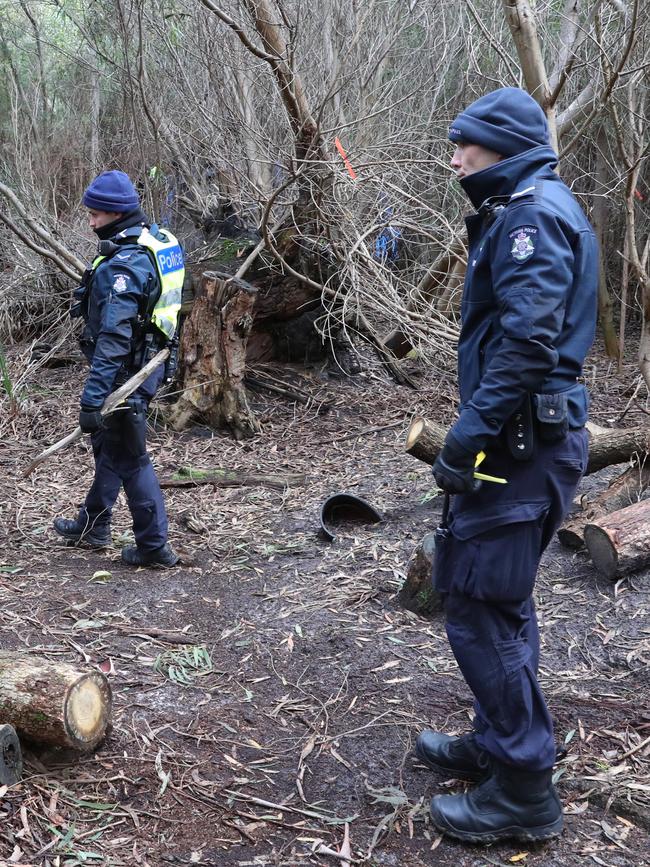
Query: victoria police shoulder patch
[120,283]
[523,240]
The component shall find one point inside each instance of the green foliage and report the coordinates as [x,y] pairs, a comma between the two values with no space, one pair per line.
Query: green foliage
[184,664]
[426,599]
[195,473]
[227,250]
[431,494]
[5,376]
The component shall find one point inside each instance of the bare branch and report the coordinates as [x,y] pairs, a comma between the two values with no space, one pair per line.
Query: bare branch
[45,252]
[42,233]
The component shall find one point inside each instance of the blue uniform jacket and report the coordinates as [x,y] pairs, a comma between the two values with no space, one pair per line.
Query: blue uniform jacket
[530,296]
[117,292]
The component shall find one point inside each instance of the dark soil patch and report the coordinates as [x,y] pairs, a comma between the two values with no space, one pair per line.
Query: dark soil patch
[319,682]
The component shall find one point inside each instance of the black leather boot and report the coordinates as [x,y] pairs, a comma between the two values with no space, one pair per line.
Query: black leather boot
[510,803]
[163,557]
[96,533]
[460,757]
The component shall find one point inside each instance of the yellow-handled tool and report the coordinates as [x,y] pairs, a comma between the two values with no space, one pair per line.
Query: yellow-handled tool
[480,457]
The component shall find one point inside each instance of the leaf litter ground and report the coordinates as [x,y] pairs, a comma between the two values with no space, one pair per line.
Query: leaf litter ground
[269,689]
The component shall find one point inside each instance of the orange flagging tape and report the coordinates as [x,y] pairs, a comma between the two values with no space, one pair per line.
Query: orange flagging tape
[346,161]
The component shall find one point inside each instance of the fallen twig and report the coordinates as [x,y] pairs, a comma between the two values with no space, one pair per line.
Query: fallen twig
[189,478]
[240,796]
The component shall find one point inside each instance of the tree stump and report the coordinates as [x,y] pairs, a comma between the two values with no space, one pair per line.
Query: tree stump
[424,439]
[417,593]
[213,358]
[621,492]
[53,703]
[620,543]
[11,757]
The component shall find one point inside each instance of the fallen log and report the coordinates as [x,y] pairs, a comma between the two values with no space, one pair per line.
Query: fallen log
[424,439]
[53,703]
[621,492]
[617,447]
[619,543]
[190,477]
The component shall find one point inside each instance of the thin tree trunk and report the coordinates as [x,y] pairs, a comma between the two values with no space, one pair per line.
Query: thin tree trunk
[625,282]
[95,105]
[521,20]
[601,215]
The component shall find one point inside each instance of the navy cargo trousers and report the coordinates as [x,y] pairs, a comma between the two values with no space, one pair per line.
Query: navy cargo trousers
[486,568]
[121,458]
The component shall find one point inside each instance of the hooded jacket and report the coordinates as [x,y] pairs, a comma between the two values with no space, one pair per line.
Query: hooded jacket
[530,295]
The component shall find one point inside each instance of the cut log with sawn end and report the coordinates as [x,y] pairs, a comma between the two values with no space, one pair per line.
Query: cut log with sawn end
[425,439]
[620,542]
[54,703]
[11,757]
[620,493]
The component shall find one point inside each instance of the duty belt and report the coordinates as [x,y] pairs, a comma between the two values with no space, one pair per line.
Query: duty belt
[520,433]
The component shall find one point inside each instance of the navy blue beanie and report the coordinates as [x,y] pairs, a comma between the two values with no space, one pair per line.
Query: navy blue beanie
[112,192]
[507,121]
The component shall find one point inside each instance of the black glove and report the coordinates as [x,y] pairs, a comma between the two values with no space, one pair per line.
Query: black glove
[454,468]
[90,419]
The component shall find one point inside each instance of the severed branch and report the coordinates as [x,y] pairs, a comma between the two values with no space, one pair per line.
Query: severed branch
[111,402]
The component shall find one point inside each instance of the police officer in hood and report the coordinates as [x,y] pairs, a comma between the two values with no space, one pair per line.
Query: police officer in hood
[129,299]
[528,321]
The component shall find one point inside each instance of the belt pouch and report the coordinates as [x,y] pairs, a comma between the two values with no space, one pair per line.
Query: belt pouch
[552,412]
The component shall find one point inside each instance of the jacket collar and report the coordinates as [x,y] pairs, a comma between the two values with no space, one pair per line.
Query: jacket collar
[509,176]
[133,220]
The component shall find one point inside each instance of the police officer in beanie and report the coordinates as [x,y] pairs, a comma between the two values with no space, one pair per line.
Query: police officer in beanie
[528,321]
[129,299]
